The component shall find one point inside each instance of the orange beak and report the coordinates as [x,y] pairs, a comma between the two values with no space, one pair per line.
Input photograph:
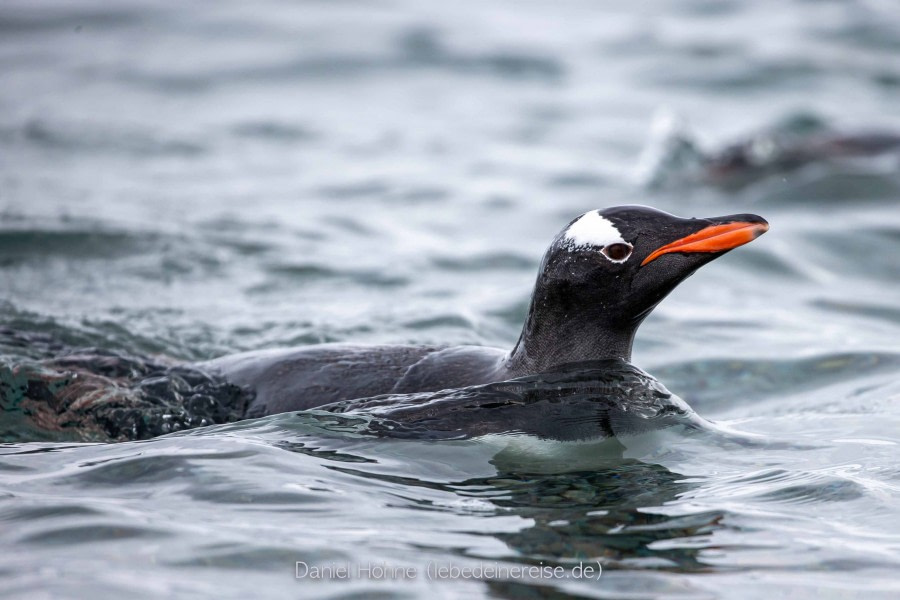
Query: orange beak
[715,238]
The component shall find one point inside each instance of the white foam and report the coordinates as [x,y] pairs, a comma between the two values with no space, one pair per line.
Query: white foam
[593,230]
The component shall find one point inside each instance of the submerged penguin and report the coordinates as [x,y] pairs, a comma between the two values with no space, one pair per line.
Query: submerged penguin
[674,157]
[600,278]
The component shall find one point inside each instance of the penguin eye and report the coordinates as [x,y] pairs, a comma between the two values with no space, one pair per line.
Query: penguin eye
[617,252]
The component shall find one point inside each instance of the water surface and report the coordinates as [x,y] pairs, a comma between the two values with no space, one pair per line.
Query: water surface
[182,182]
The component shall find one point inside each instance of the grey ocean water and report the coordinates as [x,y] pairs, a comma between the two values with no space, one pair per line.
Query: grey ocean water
[194,179]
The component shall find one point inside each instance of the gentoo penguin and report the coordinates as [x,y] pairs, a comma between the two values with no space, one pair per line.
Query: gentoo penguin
[599,279]
[767,153]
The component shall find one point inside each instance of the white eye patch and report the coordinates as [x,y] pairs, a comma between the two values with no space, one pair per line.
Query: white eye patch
[592,230]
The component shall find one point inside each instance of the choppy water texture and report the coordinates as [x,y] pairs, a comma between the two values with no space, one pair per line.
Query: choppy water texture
[181,181]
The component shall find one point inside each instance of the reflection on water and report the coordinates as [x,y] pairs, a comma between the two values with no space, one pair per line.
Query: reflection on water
[605,514]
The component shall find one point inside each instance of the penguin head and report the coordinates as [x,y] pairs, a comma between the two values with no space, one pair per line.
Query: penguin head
[613,266]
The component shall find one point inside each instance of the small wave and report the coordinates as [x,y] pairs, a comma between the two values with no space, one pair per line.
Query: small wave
[90,534]
[22,21]
[422,47]
[97,137]
[825,490]
[577,179]
[875,311]
[311,271]
[484,261]
[28,244]
[737,76]
[786,487]
[273,131]
[361,189]
[415,50]
[744,381]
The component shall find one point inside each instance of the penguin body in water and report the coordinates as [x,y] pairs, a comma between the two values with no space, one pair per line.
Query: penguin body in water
[599,279]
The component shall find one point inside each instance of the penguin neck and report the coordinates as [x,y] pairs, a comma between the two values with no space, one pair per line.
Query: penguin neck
[550,338]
